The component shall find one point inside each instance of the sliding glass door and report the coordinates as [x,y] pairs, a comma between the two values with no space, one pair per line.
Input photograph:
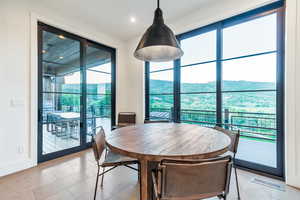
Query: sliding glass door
[232,75]
[76,91]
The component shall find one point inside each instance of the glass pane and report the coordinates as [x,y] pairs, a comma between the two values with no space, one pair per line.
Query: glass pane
[161,82]
[98,82]
[99,79]
[155,66]
[61,121]
[61,64]
[98,59]
[252,73]
[254,114]
[161,106]
[98,114]
[200,48]
[198,108]
[198,78]
[252,37]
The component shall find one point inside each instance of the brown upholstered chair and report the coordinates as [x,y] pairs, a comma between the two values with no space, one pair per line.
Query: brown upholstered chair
[111,159]
[235,137]
[125,119]
[192,179]
[155,121]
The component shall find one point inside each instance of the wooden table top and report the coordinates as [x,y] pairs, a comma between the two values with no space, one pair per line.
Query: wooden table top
[168,140]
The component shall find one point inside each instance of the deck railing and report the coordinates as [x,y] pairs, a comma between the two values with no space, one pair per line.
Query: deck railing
[251,124]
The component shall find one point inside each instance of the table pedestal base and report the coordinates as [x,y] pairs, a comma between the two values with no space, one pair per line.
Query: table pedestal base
[146,185]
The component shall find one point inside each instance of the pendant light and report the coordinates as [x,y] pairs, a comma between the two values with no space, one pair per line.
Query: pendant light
[158,43]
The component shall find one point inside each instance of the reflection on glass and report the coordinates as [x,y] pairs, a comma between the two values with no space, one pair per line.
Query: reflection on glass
[254,114]
[161,82]
[252,37]
[161,106]
[61,93]
[199,78]
[200,48]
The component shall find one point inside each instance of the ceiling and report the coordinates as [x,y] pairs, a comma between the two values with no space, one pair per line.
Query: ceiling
[113,16]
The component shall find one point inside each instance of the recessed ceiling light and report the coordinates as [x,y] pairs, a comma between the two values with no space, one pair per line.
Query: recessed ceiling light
[132,19]
[62,37]
[60,57]
[44,51]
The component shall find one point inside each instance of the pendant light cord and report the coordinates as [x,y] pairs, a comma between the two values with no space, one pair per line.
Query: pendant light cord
[157,3]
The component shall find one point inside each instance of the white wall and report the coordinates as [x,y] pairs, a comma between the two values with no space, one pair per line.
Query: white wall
[18,67]
[292,90]
[225,10]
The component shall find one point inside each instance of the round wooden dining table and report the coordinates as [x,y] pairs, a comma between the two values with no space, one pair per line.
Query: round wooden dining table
[153,142]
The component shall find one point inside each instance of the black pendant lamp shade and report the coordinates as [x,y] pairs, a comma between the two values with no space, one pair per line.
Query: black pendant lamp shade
[158,43]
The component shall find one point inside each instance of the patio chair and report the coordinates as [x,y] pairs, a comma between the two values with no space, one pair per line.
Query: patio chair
[111,159]
[235,137]
[60,128]
[192,179]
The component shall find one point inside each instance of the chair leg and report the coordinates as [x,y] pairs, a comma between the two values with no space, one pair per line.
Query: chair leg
[139,172]
[102,176]
[237,183]
[96,186]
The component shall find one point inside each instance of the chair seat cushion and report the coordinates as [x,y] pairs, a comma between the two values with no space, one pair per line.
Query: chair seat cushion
[228,153]
[113,159]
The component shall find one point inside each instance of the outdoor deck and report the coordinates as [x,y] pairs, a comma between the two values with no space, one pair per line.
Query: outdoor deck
[52,143]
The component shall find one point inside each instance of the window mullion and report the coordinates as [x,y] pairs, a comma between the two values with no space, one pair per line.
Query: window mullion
[176,108]
[219,73]
[147,90]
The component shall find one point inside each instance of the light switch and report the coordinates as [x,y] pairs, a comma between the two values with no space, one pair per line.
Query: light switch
[16,102]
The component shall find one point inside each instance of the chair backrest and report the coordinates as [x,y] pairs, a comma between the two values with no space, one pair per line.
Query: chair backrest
[234,136]
[126,118]
[98,144]
[155,121]
[189,180]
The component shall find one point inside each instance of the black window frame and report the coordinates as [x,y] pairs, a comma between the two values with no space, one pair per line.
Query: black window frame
[276,7]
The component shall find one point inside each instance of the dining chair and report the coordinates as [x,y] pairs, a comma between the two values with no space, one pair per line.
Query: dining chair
[146,121]
[125,119]
[192,179]
[235,137]
[111,159]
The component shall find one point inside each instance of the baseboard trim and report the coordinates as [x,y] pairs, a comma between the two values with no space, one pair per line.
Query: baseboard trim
[16,166]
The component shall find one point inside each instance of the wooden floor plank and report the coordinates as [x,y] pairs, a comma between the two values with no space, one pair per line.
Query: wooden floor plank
[73,177]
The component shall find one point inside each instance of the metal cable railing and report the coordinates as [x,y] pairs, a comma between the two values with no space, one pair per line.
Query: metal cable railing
[251,124]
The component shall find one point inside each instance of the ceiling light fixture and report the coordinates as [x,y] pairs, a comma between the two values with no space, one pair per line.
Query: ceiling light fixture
[132,19]
[60,57]
[62,37]
[158,43]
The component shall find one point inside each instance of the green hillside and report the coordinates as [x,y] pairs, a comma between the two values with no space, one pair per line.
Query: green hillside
[234,101]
